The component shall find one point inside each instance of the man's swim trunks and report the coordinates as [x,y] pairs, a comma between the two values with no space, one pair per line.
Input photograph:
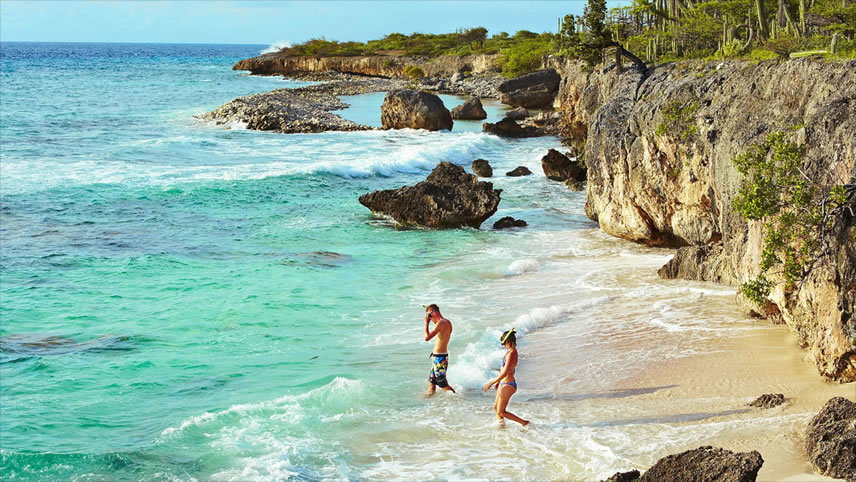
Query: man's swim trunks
[440,362]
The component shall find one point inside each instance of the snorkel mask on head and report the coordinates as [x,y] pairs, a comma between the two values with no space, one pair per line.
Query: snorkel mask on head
[506,335]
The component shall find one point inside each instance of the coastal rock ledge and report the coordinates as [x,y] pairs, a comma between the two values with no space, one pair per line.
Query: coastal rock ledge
[448,198]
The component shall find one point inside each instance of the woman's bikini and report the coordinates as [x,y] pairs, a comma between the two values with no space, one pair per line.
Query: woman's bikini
[514,383]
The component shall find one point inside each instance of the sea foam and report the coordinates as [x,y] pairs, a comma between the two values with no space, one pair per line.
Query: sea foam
[276,47]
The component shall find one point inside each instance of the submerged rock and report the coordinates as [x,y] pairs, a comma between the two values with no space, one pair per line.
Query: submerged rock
[518,113]
[768,400]
[509,222]
[535,90]
[830,440]
[410,109]
[470,110]
[558,167]
[448,198]
[519,171]
[482,168]
[510,128]
[706,464]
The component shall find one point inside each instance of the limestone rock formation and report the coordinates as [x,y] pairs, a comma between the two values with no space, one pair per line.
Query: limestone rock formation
[558,167]
[706,464]
[830,440]
[410,109]
[768,400]
[482,168]
[448,198]
[660,149]
[535,90]
[510,128]
[470,110]
[519,171]
[509,222]
[518,113]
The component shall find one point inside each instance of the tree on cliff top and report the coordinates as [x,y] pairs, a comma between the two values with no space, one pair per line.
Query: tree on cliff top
[589,37]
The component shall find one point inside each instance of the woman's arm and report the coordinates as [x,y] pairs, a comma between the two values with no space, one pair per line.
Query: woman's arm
[503,372]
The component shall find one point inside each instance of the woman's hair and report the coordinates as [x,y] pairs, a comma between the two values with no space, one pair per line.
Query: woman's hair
[509,337]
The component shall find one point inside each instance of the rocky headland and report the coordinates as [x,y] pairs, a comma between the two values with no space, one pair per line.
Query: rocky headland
[659,149]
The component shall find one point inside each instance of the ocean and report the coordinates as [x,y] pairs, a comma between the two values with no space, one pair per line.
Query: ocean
[185,301]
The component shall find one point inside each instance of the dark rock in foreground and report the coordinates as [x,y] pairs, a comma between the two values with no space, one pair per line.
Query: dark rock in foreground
[519,171]
[518,113]
[830,440]
[768,400]
[629,476]
[558,167]
[510,128]
[482,168]
[535,90]
[509,222]
[706,464]
[447,198]
[410,109]
[470,110]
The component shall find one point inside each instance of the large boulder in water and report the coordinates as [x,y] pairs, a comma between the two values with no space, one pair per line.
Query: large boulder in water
[510,128]
[535,90]
[706,464]
[410,109]
[448,198]
[518,113]
[470,110]
[558,167]
[482,168]
[830,440]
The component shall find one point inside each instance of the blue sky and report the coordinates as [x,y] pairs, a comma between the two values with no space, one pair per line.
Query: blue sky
[264,22]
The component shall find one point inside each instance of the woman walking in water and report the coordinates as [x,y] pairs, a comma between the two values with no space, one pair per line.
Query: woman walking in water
[505,382]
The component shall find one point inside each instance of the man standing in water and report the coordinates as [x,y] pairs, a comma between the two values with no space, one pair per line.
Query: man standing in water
[440,356]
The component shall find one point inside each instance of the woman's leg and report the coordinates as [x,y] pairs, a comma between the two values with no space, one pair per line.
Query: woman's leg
[505,393]
[496,409]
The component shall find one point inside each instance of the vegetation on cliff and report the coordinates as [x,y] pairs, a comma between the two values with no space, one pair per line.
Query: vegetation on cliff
[797,214]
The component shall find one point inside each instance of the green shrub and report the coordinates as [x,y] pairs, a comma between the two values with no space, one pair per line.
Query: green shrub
[525,56]
[762,54]
[413,72]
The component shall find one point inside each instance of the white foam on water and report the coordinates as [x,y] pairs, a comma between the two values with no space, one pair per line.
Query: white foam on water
[522,266]
[276,47]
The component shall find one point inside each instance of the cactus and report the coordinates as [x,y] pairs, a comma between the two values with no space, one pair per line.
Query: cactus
[834,43]
[763,31]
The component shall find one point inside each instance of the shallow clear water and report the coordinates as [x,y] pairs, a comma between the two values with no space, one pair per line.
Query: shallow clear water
[222,307]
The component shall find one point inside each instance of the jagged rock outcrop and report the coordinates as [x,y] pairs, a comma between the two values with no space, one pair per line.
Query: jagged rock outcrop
[509,222]
[472,109]
[558,167]
[410,109]
[482,168]
[510,128]
[519,171]
[659,153]
[448,198]
[517,113]
[373,65]
[704,464]
[535,90]
[830,440]
[768,400]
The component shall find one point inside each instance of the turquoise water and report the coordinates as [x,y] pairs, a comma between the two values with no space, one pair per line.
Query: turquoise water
[183,301]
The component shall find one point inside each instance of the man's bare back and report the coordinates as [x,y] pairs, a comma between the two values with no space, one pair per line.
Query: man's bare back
[442,333]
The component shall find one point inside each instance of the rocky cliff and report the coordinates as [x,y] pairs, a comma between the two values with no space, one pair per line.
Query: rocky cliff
[659,150]
[376,65]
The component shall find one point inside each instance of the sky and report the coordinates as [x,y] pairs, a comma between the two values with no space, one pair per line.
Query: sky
[266,22]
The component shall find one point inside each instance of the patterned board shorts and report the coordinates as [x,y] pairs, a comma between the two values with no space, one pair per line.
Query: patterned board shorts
[439,365]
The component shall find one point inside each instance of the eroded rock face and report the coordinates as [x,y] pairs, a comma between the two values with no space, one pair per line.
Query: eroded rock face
[519,171]
[660,150]
[558,167]
[830,440]
[518,113]
[448,198]
[535,90]
[706,464]
[410,109]
[482,168]
[510,128]
[470,110]
[509,222]
[768,400]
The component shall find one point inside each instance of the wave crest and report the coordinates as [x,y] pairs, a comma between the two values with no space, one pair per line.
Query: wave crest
[276,47]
